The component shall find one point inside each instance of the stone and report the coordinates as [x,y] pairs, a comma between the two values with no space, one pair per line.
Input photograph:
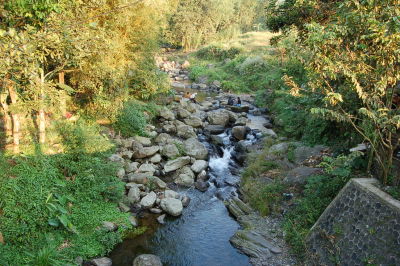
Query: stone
[214,129]
[185,201]
[147,260]
[127,155]
[161,218]
[185,131]
[104,261]
[116,158]
[218,117]
[123,207]
[279,148]
[241,121]
[240,109]
[269,132]
[167,114]
[183,113]
[134,194]
[202,176]
[156,158]
[194,121]
[201,185]
[131,167]
[253,244]
[184,177]
[149,200]
[239,132]
[160,184]
[126,143]
[142,140]
[109,226]
[169,128]
[147,168]
[176,164]
[299,175]
[140,152]
[216,139]
[171,206]
[303,152]
[162,138]
[171,194]
[133,221]
[131,185]
[155,210]
[199,165]
[195,148]
[170,151]
[139,178]
[121,173]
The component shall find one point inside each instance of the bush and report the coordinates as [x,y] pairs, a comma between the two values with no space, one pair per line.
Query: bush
[52,205]
[213,52]
[133,118]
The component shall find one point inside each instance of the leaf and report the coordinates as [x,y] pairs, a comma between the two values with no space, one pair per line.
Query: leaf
[54,222]
[64,220]
[66,88]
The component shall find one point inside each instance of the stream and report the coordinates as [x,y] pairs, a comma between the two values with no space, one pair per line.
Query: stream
[201,235]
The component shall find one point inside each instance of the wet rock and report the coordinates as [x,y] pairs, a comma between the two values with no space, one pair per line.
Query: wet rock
[195,148]
[217,140]
[203,176]
[109,226]
[171,206]
[176,164]
[185,201]
[171,194]
[155,210]
[170,151]
[104,261]
[201,185]
[147,260]
[240,109]
[214,129]
[237,207]
[134,195]
[133,221]
[149,200]
[218,117]
[161,218]
[299,175]
[239,132]
[184,177]
[254,244]
[199,165]
[241,121]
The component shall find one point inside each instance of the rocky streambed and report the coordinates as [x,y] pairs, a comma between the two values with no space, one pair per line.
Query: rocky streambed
[182,184]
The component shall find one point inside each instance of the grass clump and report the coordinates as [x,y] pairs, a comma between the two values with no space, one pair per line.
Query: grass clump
[133,118]
[52,206]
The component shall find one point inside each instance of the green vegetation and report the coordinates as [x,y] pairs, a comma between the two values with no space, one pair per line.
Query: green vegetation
[52,206]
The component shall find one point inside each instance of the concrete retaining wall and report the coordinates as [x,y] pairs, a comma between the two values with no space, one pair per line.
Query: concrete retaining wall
[361,226]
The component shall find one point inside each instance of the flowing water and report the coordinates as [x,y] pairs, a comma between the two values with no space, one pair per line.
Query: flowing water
[201,235]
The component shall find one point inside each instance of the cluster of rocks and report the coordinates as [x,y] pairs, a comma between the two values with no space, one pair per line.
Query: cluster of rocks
[141,260]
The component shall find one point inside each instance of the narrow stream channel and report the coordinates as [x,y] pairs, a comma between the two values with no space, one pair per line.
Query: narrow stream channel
[201,235]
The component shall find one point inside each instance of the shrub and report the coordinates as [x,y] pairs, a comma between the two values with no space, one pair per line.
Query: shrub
[133,118]
[217,53]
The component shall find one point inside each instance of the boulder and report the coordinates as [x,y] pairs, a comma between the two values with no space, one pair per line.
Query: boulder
[184,177]
[116,158]
[172,206]
[239,132]
[121,173]
[109,226]
[194,121]
[169,128]
[218,117]
[134,222]
[183,113]
[303,152]
[299,175]
[161,218]
[149,200]
[185,201]
[147,260]
[170,151]
[162,138]
[142,140]
[134,195]
[176,164]
[131,167]
[156,158]
[185,131]
[140,152]
[240,109]
[201,185]
[167,114]
[195,148]
[217,140]
[214,129]
[171,194]
[147,168]
[241,121]
[104,261]
[279,148]
[202,176]
[139,178]
[199,165]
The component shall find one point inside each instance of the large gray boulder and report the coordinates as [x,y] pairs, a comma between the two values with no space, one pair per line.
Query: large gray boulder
[185,131]
[214,129]
[176,164]
[218,117]
[142,140]
[147,168]
[172,206]
[195,148]
[167,114]
[134,195]
[194,121]
[199,165]
[239,132]
[149,200]
[162,138]
[183,113]
[299,175]
[140,152]
[303,152]
[184,177]
[147,260]
[170,151]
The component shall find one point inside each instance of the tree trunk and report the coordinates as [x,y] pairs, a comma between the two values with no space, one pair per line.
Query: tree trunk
[42,115]
[63,98]
[6,117]
[15,118]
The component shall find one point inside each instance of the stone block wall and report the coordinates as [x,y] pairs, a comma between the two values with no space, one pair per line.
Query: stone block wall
[361,226]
